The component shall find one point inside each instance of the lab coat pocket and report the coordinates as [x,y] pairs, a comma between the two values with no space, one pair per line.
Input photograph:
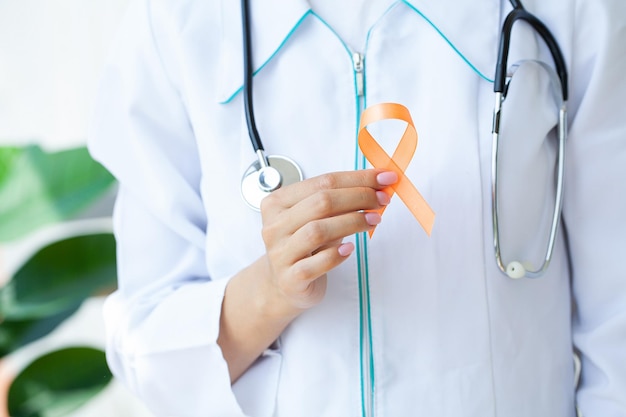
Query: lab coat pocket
[256,389]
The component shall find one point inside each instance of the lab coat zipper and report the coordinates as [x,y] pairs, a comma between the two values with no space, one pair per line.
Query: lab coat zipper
[366,353]
[358,64]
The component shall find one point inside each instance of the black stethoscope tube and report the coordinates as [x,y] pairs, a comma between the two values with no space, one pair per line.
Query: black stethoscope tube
[267,173]
[517,269]
[247,78]
[519,13]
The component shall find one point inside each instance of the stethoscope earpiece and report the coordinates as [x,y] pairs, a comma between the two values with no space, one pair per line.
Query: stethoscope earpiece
[515,270]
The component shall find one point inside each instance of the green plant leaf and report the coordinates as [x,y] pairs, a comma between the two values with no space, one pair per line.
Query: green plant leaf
[17,333]
[60,276]
[39,188]
[58,383]
[8,156]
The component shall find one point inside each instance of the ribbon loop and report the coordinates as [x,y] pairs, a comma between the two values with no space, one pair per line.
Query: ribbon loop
[399,162]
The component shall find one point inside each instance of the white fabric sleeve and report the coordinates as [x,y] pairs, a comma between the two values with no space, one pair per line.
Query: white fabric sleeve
[595,204]
[163,321]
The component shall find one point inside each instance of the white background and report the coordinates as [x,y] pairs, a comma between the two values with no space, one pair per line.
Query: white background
[51,55]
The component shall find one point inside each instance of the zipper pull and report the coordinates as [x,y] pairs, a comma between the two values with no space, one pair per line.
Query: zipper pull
[357,61]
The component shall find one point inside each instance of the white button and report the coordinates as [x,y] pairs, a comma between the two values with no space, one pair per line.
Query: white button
[515,270]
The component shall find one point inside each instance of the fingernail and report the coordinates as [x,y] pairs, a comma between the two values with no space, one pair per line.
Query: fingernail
[383,198]
[372,218]
[346,249]
[387,178]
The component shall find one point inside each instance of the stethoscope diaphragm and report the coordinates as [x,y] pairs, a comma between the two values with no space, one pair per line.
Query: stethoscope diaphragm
[258,182]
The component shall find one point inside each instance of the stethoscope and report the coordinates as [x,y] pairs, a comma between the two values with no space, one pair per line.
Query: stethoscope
[268,173]
[558,79]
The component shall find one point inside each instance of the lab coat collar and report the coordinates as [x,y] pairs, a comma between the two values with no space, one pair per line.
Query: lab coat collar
[471,29]
[272,23]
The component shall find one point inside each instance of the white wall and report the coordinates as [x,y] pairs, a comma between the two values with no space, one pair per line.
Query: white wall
[51,55]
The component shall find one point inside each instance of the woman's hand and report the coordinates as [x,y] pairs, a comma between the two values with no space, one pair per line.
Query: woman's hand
[303,228]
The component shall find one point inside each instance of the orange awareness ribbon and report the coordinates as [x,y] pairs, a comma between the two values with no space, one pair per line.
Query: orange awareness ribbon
[398,163]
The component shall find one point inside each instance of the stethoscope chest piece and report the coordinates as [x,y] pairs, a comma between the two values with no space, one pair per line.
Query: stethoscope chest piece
[258,182]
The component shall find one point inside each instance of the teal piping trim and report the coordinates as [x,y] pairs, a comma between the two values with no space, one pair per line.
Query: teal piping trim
[459,53]
[335,33]
[361,324]
[360,238]
[291,32]
[415,9]
[369,322]
[364,276]
[362,104]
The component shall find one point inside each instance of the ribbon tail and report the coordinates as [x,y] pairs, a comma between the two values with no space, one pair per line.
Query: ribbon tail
[416,204]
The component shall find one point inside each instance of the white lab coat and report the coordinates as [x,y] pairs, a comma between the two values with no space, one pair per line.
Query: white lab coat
[451,336]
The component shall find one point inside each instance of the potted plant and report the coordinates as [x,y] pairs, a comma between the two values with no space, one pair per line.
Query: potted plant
[39,189]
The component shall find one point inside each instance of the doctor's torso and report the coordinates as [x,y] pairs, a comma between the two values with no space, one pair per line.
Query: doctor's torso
[411,324]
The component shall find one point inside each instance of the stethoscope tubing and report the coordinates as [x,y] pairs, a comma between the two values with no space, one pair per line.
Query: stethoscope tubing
[267,173]
[248,77]
[519,13]
[516,269]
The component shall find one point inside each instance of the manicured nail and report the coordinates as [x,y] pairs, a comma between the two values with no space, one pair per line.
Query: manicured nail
[346,249]
[372,218]
[387,178]
[383,198]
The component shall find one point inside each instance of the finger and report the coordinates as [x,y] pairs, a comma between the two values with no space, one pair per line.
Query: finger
[292,194]
[324,204]
[336,242]
[309,269]
[319,233]
[331,203]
